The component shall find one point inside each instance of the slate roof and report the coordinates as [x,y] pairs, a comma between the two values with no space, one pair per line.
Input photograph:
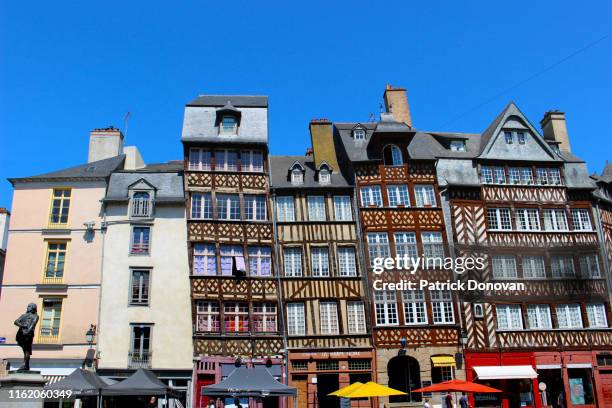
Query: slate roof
[279,167]
[166,178]
[97,170]
[251,101]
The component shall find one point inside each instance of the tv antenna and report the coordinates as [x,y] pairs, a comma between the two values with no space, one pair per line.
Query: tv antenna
[126,122]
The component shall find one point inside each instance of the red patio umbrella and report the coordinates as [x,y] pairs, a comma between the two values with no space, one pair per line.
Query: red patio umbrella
[457,386]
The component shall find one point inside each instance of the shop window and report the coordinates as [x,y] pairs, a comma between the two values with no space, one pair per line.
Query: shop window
[327,365]
[580,386]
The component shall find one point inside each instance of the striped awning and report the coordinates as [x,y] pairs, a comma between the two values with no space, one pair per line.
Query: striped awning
[53,378]
[443,361]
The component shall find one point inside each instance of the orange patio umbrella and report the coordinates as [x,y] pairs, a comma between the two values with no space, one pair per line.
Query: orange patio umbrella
[457,386]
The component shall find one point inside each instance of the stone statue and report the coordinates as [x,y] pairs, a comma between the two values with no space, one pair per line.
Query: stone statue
[25,335]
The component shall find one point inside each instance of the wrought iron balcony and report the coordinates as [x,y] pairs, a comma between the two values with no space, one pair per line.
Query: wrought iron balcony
[139,359]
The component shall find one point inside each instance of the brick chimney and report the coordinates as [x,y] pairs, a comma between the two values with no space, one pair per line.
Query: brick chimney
[322,139]
[555,130]
[104,143]
[396,103]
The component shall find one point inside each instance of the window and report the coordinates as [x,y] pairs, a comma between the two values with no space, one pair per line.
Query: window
[499,219]
[533,267]
[56,260]
[589,266]
[356,318]
[581,219]
[208,317]
[342,208]
[347,264]
[359,134]
[442,307]
[562,266]
[201,206]
[393,156]
[260,261]
[284,209]
[228,207]
[425,196]
[405,245]
[328,314]
[508,137]
[398,195]
[320,261]
[432,244]
[520,175]
[264,318]
[414,307]
[293,261]
[555,220]
[324,176]
[316,208]
[539,317]
[140,240]
[141,204]
[228,254]
[548,176]
[297,176]
[60,205]
[255,207]
[371,196]
[229,125]
[296,319]
[204,259]
[327,365]
[50,319]
[504,267]
[569,316]
[200,159]
[441,374]
[527,219]
[509,317]
[236,317]
[493,175]
[596,312]
[140,287]
[457,145]
[385,307]
[521,137]
[139,355]
[251,161]
[359,365]
[226,160]
[378,246]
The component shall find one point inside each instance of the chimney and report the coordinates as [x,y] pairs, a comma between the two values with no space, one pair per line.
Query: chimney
[396,103]
[133,159]
[322,139]
[4,227]
[104,143]
[555,130]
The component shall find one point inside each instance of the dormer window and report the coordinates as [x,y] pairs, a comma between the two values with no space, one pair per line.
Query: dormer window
[324,176]
[359,134]
[520,137]
[297,176]
[457,145]
[229,125]
[393,156]
[142,205]
[508,137]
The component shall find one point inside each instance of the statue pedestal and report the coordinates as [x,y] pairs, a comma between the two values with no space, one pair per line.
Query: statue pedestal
[11,387]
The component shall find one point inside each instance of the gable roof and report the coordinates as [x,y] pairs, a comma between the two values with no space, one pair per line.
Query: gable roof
[168,185]
[246,101]
[98,170]
[279,166]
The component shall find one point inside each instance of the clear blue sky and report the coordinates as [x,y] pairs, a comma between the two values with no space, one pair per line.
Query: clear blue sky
[67,67]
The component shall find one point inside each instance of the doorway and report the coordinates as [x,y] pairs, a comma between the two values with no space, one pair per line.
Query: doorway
[327,383]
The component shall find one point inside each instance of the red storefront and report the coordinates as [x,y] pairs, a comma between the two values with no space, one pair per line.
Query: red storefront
[514,373]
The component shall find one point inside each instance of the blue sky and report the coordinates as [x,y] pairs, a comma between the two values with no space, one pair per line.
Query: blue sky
[68,67]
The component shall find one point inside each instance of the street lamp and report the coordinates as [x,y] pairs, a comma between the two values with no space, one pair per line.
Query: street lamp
[91,334]
[463,337]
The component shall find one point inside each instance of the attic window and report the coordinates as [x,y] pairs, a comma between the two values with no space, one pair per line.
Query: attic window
[359,134]
[508,137]
[521,137]
[229,125]
[324,176]
[457,145]
[392,156]
[297,177]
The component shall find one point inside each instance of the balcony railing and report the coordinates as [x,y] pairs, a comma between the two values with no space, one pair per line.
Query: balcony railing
[139,359]
[52,280]
[48,335]
[141,207]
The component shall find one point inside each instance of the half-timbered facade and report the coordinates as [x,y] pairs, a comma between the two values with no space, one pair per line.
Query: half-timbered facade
[522,202]
[416,333]
[233,284]
[328,338]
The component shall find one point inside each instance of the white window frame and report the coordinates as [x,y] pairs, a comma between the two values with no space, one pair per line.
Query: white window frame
[442,308]
[499,219]
[256,205]
[371,195]
[596,313]
[527,219]
[292,261]
[347,261]
[296,319]
[385,306]
[229,213]
[504,266]
[534,267]
[562,267]
[229,158]
[538,317]
[355,311]
[589,266]
[509,317]
[569,316]
[398,194]
[316,208]
[324,177]
[406,244]
[319,257]
[248,161]
[555,219]
[433,246]
[297,176]
[425,195]
[285,209]
[342,208]
[415,307]
[200,159]
[378,245]
[201,206]
[328,317]
[581,220]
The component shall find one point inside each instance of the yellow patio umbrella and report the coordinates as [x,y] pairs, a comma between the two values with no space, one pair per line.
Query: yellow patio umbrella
[347,389]
[372,389]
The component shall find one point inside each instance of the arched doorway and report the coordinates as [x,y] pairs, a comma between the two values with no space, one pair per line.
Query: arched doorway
[404,375]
